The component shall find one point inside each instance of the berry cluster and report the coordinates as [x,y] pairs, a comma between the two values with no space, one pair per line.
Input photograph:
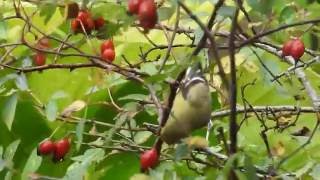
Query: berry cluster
[146,11]
[294,48]
[107,51]
[149,159]
[39,58]
[59,148]
[84,22]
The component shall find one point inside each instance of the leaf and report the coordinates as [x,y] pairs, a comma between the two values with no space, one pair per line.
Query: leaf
[120,120]
[51,110]
[250,170]
[7,78]
[21,82]
[306,168]
[140,177]
[74,107]
[3,29]
[229,165]
[59,94]
[149,68]
[287,15]
[11,150]
[137,97]
[8,175]
[2,164]
[32,165]
[182,151]
[142,137]
[262,6]
[79,132]
[1,151]
[9,110]
[315,173]
[78,169]
[227,11]
[47,10]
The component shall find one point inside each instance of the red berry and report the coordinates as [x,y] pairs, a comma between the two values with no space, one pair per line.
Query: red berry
[108,55]
[99,23]
[149,159]
[61,149]
[89,25]
[133,6]
[148,16]
[83,15]
[286,49]
[43,43]
[107,44]
[297,49]
[75,25]
[39,59]
[46,147]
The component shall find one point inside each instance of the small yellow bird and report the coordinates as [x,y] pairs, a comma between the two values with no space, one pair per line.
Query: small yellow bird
[191,107]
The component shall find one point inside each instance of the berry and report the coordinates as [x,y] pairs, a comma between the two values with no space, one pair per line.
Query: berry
[286,49]
[147,14]
[88,25]
[39,59]
[108,55]
[108,44]
[83,22]
[149,159]
[61,149]
[133,6]
[83,15]
[297,49]
[75,25]
[294,48]
[46,147]
[99,23]
[43,43]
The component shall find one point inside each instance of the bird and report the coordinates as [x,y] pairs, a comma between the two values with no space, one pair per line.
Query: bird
[191,108]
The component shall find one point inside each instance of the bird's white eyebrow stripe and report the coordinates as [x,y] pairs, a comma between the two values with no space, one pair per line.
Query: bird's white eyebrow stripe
[194,79]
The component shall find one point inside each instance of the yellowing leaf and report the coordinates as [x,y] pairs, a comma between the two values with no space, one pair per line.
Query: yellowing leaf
[225,61]
[74,107]
[278,149]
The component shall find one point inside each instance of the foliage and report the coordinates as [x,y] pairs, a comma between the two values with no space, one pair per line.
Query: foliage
[110,108]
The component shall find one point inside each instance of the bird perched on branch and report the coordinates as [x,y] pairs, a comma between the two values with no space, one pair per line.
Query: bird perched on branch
[191,107]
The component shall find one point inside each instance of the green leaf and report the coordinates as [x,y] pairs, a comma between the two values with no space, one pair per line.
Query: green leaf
[11,150]
[182,151]
[9,175]
[32,165]
[3,29]
[9,110]
[137,97]
[1,151]
[7,78]
[142,137]
[315,173]
[250,170]
[51,110]
[21,82]
[79,132]
[227,11]
[262,6]
[47,10]
[149,68]
[79,168]
[2,164]
[287,15]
